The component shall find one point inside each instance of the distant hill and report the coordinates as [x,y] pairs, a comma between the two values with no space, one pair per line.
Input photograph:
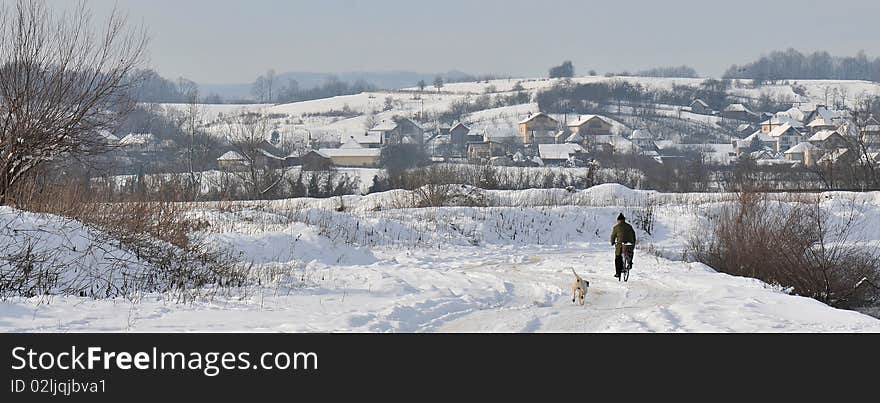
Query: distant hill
[382,80]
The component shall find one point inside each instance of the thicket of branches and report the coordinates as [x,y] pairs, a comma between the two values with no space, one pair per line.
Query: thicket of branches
[792,64]
[568,97]
[267,88]
[61,83]
[487,177]
[797,245]
[676,72]
[155,236]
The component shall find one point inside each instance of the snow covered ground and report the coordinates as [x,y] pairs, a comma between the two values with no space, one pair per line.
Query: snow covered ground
[378,268]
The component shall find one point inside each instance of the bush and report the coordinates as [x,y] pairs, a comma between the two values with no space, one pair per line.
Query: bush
[566,69]
[161,255]
[795,245]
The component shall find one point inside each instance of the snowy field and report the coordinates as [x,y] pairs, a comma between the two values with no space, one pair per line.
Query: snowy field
[377,267]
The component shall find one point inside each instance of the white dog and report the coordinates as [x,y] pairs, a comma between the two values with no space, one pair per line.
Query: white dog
[579,288]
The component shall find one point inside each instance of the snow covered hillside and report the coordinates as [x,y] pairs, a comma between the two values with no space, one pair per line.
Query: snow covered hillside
[374,266]
[296,121]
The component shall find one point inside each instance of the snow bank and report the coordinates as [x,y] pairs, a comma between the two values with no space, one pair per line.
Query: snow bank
[46,254]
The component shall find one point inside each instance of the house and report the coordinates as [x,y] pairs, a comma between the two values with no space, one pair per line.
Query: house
[266,155]
[780,119]
[701,107]
[711,154]
[139,142]
[795,113]
[590,125]
[837,157]
[761,155]
[369,139]
[458,134]
[718,154]
[561,136]
[558,154]
[870,133]
[232,161]
[438,145]
[262,155]
[481,153]
[828,139]
[353,157]
[564,136]
[823,117]
[315,160]
[804,153]
[739,112]
[745,129]
[538,128]
[819,124]
[612,144]
[398,131]
[642,139]
[108,138]
[786,136]
[452,140]
[765,141]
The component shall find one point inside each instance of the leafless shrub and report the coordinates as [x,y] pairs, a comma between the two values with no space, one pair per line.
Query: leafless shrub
[134,246]
[61,83]
[794,244]
[643,218]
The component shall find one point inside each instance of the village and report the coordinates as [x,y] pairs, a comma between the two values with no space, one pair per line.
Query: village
[479,167]
[809,143]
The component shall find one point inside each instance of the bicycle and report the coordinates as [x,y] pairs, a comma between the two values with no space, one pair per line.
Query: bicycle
[626,253]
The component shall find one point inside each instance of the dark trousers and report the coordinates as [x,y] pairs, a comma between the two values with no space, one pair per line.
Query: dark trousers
[618,264]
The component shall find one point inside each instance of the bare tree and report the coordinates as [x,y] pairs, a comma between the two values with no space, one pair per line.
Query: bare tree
[438,83]
[270,83]
[258,89]
[192,118]
[247,136]
[61,83]
[861,118]
[371,120]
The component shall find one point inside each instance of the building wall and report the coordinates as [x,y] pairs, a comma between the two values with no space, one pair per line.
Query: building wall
[785,142]
[484,151]
[355,161]
[587,129]
[541,130]
[231,166]
[795,157]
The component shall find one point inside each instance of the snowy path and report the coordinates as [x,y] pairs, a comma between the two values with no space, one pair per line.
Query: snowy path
[467,289]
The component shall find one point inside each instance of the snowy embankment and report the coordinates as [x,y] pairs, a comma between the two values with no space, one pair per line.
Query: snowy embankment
[61,256]
[462,269]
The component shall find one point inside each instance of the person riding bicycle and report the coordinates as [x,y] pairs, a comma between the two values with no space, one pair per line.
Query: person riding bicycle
[621,234]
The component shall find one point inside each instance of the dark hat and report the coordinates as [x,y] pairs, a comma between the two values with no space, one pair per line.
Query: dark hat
[621,217]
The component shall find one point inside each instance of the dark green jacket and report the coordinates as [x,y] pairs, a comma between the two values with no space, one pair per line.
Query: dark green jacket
[622,233]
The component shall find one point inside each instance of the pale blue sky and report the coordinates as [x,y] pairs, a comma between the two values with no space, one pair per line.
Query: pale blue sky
[232,41]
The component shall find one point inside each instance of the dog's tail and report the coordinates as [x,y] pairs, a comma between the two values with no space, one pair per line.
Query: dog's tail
[575,273]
